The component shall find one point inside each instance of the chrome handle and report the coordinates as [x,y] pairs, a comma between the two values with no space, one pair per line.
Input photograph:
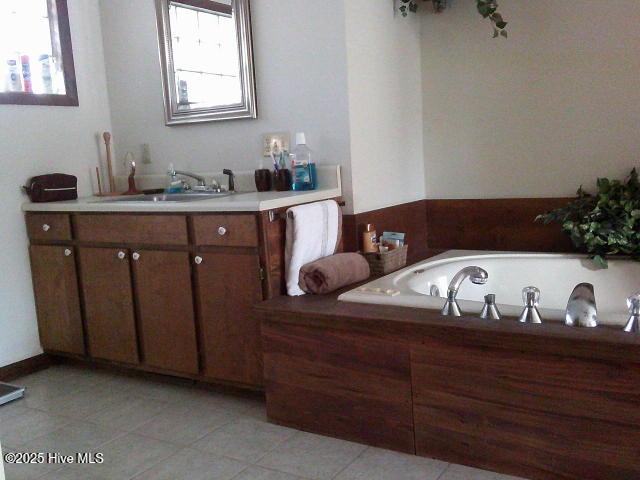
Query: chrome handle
[530,296]
[67,252]
[633,304]
[46,227]
[198,260]
[122,255]
[135,256]
[222,231]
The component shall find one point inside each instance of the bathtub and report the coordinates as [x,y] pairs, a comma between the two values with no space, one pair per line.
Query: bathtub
[424,285]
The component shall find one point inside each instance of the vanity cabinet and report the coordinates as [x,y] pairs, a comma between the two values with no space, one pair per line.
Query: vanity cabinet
[168,293]
[55,284]
[108,304]
[228,286]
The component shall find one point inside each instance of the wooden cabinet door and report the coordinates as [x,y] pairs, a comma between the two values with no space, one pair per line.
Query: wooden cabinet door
[108,299]
[228,285]
[55,286]
[165,305]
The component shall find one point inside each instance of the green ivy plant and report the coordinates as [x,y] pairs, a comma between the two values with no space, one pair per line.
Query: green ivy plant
[604,224]
[486,8]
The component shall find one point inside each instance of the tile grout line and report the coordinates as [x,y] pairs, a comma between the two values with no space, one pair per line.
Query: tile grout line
[366,447]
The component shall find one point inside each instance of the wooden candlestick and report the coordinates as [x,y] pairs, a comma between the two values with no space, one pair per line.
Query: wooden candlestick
[112,180]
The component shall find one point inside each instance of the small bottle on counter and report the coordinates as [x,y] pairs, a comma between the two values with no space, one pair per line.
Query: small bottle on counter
[369,239]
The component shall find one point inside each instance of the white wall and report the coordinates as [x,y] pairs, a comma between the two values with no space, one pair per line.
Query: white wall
[36,140]
[385,105]
[554,106]
[300,64]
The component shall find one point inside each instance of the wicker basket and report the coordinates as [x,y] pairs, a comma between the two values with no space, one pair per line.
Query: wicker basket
[387,262]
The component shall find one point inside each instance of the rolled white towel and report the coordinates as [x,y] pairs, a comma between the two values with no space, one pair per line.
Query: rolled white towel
[313,232]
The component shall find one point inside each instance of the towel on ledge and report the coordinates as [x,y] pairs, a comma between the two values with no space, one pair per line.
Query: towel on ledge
[331,273]
[313,232]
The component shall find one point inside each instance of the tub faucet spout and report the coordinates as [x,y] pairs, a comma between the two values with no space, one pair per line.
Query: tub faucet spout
[581,309]
[477,275]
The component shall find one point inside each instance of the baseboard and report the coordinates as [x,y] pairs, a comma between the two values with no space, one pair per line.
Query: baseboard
[25,367]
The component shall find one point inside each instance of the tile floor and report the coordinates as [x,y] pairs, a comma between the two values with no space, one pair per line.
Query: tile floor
[148,430]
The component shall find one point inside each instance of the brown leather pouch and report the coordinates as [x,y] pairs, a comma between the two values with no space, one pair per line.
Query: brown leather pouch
[54,187]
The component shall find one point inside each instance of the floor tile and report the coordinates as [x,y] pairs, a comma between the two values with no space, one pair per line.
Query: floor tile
[127,413]
[19,429]
[124,457]
[312,456]
[244,439]
[185,425]
[259,473]
[379,464]
[84,402]
[460,472]
[15,471]
[192,464]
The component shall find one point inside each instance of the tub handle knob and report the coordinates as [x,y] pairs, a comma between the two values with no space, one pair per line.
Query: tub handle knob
[633,325]
[531,299]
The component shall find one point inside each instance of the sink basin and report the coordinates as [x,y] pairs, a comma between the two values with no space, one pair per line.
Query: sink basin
[168,197]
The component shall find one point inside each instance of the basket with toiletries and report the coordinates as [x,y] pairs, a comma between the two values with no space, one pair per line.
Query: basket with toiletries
[389,255]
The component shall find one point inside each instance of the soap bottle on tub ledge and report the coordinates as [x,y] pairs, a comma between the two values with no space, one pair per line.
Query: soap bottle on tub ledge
[303,168]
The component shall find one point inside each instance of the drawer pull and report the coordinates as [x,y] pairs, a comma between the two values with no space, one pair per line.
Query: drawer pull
[122,255]
[135,256]
[198,260]
[46,227]
[222,231]
[67,252]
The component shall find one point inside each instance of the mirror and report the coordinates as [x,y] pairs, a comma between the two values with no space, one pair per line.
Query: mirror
[36,54]
[207,60]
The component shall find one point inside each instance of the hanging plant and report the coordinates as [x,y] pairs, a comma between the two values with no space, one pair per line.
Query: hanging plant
[486,8]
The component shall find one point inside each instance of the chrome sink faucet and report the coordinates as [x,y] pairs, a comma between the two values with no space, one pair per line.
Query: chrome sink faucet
[200,179]
[581,308]
[477,275]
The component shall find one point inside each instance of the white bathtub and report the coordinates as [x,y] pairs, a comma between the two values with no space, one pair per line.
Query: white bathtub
[554,274]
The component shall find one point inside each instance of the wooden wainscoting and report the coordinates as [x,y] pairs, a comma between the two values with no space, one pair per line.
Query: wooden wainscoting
[25,367]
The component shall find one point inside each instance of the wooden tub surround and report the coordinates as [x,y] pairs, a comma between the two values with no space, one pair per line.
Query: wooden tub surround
[539,401]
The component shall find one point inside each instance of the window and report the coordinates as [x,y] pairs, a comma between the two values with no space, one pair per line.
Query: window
[205,55]
[36,60]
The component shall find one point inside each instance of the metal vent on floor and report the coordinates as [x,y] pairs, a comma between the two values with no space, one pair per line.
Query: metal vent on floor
[10,392]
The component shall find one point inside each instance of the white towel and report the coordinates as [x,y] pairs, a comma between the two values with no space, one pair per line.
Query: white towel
[313,232]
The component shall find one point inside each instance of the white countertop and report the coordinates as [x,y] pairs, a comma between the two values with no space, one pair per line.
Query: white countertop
[237,202]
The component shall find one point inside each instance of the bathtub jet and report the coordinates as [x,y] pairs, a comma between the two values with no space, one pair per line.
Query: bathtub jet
[477,275]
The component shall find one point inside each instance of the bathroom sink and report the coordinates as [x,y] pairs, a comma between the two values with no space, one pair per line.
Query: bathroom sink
[168,197]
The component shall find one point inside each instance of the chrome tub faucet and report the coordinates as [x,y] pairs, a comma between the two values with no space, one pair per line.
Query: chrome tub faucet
[531,299]
[633,324]
[477,275]
[581,309]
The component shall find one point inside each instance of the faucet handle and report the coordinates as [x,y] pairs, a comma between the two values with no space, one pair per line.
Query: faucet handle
[633,303]
[531,296]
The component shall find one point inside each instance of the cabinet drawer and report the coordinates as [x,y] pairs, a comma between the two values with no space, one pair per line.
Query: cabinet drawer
[133,229]
[226,230]
[48,226]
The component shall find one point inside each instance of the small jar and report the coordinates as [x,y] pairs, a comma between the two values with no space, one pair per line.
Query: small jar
[369,239]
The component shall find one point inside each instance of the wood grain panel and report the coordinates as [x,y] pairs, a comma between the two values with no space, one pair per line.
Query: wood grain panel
[48,226]
[494,224]
[239,230]
[228,286]
[109,308]
[339,384]
[165,305]
[544,417]
[55,286]
[132,229]
[410,218]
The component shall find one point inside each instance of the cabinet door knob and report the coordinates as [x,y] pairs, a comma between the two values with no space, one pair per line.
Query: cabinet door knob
[67,252]
[46,227]
[222,231]
[135,256]
[198,260]
[122,255]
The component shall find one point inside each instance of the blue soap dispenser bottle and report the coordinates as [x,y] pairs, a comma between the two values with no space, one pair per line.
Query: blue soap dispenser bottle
[303,168]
